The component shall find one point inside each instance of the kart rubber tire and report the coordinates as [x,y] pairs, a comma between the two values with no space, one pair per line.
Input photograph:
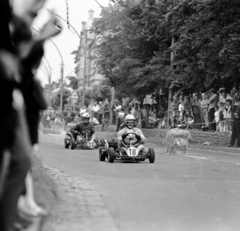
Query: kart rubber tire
[66,145]
[72,145]
[111,155]
[151,156]
[101,155]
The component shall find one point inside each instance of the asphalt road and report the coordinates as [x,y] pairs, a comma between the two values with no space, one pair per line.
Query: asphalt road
[196,192]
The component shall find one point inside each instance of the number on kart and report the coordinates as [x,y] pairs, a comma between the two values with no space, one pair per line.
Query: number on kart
[132,151]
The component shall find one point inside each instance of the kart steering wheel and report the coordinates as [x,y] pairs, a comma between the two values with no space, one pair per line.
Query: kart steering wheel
[130,138]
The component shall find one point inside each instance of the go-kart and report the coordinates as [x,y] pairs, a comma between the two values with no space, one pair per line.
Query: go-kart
[80,142]
[131,148]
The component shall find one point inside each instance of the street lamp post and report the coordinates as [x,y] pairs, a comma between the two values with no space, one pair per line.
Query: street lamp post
[84,32]
[82,36]
[61,72]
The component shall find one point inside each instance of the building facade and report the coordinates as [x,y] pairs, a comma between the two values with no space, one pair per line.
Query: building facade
[87,65]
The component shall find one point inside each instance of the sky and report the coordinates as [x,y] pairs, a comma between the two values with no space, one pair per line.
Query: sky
[67,41]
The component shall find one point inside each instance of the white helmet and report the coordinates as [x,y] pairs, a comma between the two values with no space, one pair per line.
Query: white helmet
[86,115]
[130,118]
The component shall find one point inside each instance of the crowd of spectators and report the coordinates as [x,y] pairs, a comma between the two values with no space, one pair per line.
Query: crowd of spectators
[211,110]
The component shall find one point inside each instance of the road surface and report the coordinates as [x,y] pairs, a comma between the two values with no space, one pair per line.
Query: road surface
[199,191]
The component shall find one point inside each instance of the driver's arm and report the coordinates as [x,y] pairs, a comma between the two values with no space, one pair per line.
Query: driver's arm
[93,136]
[75,129]
[143,138]
[119,135]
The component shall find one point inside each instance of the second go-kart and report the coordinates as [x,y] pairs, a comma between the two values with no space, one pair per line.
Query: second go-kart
[80,142]
[130,148]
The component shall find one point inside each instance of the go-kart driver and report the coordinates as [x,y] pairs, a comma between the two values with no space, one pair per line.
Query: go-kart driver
[130,123]
[85,128]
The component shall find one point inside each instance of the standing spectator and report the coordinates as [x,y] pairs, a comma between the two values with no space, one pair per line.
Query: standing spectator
[181,111]
[196,111]
[228,116]
[100,112]
[106,112]
[236,126]
[120,118]
[144,116]
[137,114]
[213,100]
[204,107]
[95,110]
[221,106]
[236,95]
[216,119]
[222,95]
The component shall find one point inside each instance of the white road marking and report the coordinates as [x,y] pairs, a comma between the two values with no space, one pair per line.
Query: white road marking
[198,157]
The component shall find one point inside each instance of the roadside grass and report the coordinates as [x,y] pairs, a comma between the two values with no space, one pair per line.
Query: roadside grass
[45,190]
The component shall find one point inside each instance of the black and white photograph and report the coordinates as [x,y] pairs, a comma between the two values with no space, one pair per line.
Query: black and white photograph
[120,115]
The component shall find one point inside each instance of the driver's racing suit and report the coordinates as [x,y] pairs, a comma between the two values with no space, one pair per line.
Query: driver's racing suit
[134,130]
[86,130]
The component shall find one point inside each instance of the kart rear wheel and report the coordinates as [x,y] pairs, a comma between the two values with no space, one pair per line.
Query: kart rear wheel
[72,144]
[111,155]
[151,156]
[101,155]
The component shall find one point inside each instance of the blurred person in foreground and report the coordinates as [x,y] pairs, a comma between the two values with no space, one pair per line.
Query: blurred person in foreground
[29,50]
[15,145]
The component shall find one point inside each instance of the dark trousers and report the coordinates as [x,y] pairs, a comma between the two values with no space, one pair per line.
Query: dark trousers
[212,126]
[235,133]
[119,122]
[14,183]
[100,116]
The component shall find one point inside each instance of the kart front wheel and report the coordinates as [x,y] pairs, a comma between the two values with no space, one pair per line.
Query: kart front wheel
[72,144]
[111,155]
[151,156]
[101,155]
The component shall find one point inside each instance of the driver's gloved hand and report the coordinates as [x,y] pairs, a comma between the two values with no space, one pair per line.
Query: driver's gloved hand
[75,132]
[138,137]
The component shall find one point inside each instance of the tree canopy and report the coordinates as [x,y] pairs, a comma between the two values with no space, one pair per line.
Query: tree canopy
[135,52]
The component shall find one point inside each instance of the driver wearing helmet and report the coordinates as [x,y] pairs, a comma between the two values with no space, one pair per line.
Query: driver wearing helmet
[130,123]
[85,128]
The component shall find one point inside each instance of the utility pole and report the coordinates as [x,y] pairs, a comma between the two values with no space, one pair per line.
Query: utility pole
[170,93]
[85,61]
[61,98]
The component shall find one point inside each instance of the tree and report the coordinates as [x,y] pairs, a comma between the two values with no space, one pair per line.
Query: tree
[73,82]
[57,99]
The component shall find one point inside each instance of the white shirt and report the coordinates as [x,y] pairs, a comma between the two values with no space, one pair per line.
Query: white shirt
[95,108]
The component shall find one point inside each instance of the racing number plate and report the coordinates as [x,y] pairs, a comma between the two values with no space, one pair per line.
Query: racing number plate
[132,151]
